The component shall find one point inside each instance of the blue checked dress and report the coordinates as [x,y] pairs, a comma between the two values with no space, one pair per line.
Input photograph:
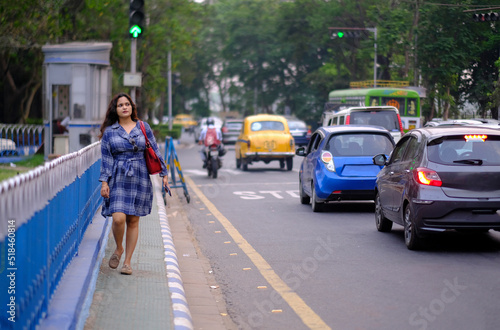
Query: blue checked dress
[125,171]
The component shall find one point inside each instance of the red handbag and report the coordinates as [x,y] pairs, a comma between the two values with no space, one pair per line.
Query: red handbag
[153,162]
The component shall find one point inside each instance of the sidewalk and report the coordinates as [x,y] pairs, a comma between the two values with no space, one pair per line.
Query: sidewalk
[146,299]
[93,296]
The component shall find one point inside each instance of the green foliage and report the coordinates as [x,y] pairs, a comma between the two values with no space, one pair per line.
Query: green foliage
[260,55]
[161,131]
[34,121]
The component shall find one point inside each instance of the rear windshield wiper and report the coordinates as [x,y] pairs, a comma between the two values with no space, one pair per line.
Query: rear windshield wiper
[469,161]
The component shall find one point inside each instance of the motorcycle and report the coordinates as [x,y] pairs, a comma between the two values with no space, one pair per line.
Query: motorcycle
[213,154]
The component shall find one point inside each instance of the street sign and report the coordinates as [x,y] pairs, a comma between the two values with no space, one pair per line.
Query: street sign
[132,79]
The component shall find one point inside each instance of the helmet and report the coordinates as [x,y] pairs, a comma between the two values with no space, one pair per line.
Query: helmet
[210,121]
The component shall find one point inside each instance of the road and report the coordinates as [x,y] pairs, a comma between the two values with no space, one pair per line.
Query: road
[281,266]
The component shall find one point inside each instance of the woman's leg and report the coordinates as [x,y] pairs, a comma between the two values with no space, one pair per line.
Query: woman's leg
[132,236]
[118,228]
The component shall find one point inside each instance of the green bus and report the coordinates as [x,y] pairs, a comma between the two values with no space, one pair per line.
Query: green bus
[407,101]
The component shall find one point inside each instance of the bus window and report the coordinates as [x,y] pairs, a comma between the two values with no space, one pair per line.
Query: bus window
[341,120]
[374,101]
[334,121]
[412,107]
[396,102]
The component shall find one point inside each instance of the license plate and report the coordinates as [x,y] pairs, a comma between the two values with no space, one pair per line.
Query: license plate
[214,152]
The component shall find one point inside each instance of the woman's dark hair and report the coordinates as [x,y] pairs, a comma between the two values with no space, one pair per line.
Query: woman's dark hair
[112,115]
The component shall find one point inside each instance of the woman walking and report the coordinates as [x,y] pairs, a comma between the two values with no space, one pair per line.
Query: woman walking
[126,186]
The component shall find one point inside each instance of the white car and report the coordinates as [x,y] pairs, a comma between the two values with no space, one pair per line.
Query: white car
[203,123]
[7,147]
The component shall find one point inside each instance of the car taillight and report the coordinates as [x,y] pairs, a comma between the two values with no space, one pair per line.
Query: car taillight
[327,158]
[475,137]
[347,119]
[427,177]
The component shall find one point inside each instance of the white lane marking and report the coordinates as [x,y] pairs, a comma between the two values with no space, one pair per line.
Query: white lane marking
[278,194]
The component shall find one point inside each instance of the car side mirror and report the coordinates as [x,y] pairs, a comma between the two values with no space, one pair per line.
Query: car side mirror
[380,160]
[301,151]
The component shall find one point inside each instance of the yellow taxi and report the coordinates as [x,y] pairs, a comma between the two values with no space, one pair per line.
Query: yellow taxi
[187,121]
[265,138]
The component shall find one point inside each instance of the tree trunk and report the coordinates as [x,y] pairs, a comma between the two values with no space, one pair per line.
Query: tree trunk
[446,105]
[29,102]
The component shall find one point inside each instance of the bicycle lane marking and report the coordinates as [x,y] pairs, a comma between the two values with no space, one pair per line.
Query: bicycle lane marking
[303,311]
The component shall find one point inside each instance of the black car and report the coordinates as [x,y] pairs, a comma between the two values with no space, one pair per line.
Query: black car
[439,179]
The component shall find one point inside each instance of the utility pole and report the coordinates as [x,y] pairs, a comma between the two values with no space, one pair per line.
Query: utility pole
[374,30]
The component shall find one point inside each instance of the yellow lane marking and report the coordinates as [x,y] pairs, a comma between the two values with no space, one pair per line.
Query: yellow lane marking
[306,314]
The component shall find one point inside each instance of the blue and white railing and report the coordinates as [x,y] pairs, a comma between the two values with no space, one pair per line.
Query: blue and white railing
[43,216]
[20,140]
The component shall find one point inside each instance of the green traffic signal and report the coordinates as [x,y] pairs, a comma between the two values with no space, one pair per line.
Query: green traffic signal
[340,34]
[135,31]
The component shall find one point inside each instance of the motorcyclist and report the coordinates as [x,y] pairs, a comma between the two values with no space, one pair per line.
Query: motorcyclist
[211,129]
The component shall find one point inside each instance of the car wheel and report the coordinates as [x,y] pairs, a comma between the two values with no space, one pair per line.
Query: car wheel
[383,224]
[282,163]
[244,164]
[238,162]
[304,199]
[412,241]
[316,206]
[289,164]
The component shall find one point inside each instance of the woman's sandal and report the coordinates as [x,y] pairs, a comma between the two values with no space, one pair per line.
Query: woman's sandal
[114,261]
[126,270]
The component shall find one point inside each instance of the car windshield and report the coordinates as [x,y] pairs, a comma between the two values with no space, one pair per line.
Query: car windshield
[297,125]
[386,119]
[359,145]
[267,126]
[465,149]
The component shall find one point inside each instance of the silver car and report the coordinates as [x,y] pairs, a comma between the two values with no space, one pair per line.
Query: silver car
[231,130]
[438,179]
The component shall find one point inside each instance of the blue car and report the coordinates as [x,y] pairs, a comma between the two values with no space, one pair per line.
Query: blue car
[338,163]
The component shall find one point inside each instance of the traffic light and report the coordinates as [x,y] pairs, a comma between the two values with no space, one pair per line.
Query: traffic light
[177,78]
[136,18]
[489,17]
[346,34]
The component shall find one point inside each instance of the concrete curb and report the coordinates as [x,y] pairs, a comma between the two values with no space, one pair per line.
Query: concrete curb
[182,316]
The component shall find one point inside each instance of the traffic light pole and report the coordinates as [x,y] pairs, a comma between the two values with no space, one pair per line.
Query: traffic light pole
[133,64]
[169,64]
[374,31]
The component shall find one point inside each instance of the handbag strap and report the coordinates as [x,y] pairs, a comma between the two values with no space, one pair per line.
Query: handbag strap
[143,129]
